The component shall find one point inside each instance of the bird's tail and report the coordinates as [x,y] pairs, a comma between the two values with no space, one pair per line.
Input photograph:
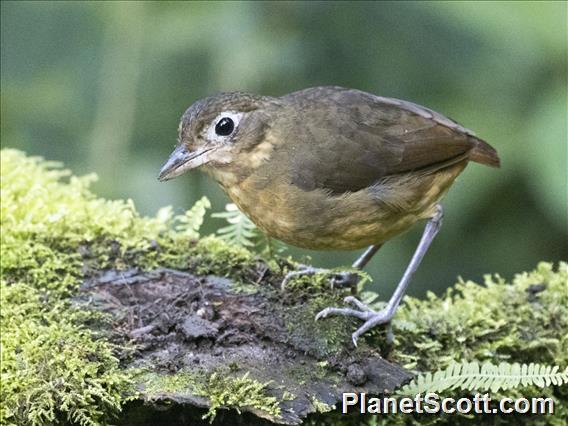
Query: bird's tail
[483,153]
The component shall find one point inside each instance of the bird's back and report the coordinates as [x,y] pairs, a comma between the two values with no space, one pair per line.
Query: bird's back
[351,139]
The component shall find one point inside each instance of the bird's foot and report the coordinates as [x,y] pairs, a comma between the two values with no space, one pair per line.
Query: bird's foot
[303,270]
[363,312]
[338,279]
[345,279]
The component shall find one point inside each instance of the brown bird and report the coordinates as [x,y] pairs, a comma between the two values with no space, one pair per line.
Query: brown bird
[330,168]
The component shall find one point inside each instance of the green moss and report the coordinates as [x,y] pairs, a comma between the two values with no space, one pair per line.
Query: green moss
[48,214]
[54,230]
[210,255]
[320,406]
[221,389]
[236,392]
[332,334]
[182,382]
[55,368]
[52,366]
[321,282]
[288,396]
[522,321]
[327,336]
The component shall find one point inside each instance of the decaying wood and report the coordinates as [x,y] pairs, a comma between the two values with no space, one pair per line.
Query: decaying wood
[180,322]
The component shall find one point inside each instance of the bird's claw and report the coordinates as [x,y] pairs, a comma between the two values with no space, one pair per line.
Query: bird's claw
[303,270]
[338,279]
[344,279]
[363,312]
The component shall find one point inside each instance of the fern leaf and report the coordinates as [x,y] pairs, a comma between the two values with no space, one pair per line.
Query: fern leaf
[240,230]
[190,222]
[470,376]
[272,247]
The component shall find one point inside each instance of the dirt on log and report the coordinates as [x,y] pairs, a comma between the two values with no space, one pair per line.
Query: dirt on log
[205,325]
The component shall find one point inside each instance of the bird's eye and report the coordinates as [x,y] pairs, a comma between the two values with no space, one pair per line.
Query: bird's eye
[224,126]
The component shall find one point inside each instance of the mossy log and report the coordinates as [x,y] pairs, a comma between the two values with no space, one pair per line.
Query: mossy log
[110,317]
[197,337]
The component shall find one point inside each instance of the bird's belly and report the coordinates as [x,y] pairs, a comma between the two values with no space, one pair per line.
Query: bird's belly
[323,223]
[327,224]
[320,221]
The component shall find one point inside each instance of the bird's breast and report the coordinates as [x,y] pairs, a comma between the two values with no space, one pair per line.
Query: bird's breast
[317,219]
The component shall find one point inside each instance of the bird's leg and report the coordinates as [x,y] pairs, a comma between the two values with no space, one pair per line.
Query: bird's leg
[373,318]
[362,260]
[350,279]
[340,279]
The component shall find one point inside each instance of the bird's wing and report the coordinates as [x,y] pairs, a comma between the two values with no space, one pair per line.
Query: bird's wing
[351,139]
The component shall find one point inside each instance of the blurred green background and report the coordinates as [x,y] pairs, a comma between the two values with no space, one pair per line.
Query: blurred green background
[100,86]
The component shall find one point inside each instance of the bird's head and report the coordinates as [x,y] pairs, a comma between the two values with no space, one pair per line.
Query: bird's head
[218,131]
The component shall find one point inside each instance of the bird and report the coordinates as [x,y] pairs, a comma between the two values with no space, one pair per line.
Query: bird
[330,168]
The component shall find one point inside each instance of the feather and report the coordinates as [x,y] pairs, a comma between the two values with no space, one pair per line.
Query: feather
[351,139]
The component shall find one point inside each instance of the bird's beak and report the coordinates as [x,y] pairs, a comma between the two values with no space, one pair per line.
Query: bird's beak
[181,160]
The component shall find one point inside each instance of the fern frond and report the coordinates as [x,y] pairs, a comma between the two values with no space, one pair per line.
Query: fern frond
[272,247]
[470,376]
[190,222]
[240,231]
[371,299]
